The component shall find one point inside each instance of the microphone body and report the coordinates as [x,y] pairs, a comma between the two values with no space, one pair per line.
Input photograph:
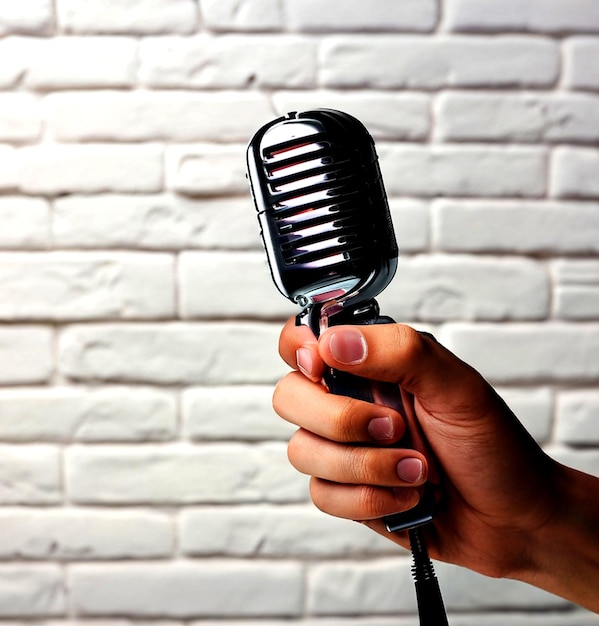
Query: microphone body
[327,231]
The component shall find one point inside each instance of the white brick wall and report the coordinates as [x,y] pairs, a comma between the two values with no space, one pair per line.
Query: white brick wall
[143,473]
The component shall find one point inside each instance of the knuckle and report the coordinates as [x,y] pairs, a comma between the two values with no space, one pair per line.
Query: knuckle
[346,419]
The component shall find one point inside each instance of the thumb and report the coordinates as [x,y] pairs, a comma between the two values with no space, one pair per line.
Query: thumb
[399,354]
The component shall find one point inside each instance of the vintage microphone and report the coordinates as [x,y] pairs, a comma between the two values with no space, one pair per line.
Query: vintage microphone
[328,235]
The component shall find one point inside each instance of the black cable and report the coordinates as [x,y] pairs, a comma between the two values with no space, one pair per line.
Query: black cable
[431,608]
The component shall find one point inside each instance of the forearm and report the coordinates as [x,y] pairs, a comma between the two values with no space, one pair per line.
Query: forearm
[567,548]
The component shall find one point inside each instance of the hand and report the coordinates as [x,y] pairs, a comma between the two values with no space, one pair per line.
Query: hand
[502,497]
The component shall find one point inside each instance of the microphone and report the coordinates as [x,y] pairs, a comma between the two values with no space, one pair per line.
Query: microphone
[328,235]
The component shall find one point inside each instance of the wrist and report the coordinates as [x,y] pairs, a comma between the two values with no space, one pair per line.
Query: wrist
[566,548]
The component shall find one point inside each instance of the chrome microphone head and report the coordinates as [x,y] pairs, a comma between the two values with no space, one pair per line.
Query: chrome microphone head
[322,207]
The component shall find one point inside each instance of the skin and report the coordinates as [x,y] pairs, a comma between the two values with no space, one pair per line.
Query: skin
[505,509]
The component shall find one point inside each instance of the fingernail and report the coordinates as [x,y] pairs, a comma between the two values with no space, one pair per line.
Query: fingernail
[304,360]
[348,346]
[381,428]
[410,470]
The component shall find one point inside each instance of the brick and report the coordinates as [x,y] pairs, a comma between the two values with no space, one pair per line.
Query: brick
[411,222]
[393,116]
[35,17]
[13,63]
[517,117]
[232,413]
[575,173]
[31,591]
[555,16]
[378,587]
[171,353]
[91,168]
[81,414]
[186,590]
[576,417]
[229,61]
[474,170]
[206,170]
[9,174]
[581,459]
[249,15]
[79,286]
[437,288]
[20,118]
[182,474]
[576,289]
[410,15]
[581,63]
[29,220]
[543,227]
[76,62]
[25,354]
[534,408]
[417,62]
[30,475]
[138,16]
[556,352]
[84,534]
[158,222]
[275,532]
[226,284]
[154,116]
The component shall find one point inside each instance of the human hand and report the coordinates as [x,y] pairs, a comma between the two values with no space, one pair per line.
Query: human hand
[500,493]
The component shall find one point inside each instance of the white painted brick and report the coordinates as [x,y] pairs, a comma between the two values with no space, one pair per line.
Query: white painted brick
[149,116]
[79,286]
[31,591]
[35,17]
[9,173]
[582,459]
[575,173]
[136,16]
[521,117]
[233,61]
[171,353]
[25,354]
[465,590]
[75,62]
[471,170]
[154,221]
[84,534]
[13,63]
[30,475]
[185,589]
[275,532]
[206,170]
[522,226]
[558,352]
[226,284]
[182,474]
[232,413]
[576,289]
[425,63]
[378,15]
[533,407]
[249,15]
[554,16]
[576,417]
[92,168]
[436,288]
[29,220]
[82,414]
[20,118]
[581,63]
[386,115]
[378,587]
[411,222]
